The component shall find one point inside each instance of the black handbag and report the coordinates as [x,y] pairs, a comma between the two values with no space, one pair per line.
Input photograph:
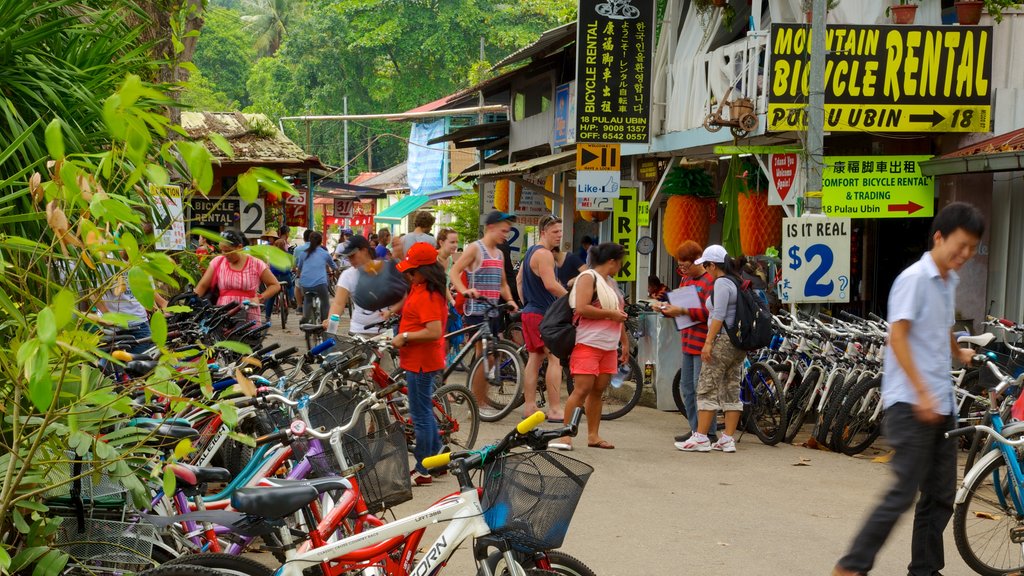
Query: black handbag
[380,285]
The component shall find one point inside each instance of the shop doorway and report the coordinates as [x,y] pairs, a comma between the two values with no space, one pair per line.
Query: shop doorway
[896,244]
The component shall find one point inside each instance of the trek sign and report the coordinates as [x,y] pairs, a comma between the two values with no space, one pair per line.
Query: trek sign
[886,78]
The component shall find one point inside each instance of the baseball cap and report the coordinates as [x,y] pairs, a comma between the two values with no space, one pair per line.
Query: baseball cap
[420,254]
[713,253]
[499,216]
[356,242]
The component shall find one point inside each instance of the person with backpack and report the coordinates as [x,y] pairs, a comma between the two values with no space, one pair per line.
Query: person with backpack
[718,387]
[600,334]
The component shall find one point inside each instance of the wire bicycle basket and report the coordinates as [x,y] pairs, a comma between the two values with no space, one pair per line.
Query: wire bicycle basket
[530,497]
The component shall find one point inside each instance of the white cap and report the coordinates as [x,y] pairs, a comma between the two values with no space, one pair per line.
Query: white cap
[714,253]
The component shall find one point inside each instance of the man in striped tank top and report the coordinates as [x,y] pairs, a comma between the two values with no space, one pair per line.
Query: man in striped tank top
[485,271]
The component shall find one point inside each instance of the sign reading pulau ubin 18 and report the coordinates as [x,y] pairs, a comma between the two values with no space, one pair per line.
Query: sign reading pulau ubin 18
[886,78]
[614,57]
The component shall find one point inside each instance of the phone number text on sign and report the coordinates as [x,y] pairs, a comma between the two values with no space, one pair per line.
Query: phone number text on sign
[815,260]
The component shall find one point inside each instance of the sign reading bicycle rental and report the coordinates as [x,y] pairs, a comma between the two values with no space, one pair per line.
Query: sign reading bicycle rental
[877,187]
[815,260]
[614,57]
[886,78]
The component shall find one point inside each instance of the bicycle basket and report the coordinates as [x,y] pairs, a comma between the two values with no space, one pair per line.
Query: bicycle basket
[118,546]
[530,497]
[96,488]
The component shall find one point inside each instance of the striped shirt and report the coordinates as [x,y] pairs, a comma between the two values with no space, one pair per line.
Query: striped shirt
[694,336]
[486,279]
[238,285]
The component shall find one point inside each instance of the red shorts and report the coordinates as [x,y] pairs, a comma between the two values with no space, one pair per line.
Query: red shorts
[531,331]
[594,361]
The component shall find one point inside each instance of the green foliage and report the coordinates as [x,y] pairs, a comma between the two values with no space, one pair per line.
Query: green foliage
[995,8]
[225,56]
[202,94]
[465,209]
[688,181]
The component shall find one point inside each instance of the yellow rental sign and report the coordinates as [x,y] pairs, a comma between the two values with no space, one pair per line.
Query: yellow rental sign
[886,78]
[877,187]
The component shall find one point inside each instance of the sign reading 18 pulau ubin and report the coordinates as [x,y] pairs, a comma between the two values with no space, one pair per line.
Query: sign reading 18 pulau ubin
[885,78]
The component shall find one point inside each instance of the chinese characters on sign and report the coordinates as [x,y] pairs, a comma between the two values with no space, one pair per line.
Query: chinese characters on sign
[614,44]
[877,187]
[886,78]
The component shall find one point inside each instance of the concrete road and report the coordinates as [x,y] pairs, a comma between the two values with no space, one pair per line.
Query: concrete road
[650,509]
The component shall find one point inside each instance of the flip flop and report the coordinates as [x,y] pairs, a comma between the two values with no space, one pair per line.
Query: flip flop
[560,446]
[603,444]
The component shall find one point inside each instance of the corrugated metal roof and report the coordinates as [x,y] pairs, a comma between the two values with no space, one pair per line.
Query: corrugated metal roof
[1009,142]
[452,100]
[394,178]
[554,38]
[567,158]
[253,138]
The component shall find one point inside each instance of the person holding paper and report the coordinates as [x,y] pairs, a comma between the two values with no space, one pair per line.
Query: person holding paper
[695,335]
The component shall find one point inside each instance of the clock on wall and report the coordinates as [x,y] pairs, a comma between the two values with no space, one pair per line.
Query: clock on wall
[645,245]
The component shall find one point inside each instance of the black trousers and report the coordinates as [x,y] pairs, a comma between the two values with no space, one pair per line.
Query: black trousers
[925,463]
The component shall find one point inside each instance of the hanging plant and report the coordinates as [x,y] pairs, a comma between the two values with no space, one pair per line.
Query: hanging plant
[690,208]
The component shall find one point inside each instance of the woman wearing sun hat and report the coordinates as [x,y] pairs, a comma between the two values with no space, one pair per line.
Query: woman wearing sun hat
[237,275]
[420,344]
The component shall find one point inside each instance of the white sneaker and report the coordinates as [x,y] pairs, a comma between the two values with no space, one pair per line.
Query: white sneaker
[693,445]
[725,444]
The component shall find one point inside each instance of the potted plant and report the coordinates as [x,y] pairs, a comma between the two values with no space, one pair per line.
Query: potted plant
[903,13]
[808,7]
[691,206]
[995,8]
[968,12]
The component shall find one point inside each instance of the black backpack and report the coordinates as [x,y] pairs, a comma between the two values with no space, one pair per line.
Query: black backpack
[753,328]
[558,328]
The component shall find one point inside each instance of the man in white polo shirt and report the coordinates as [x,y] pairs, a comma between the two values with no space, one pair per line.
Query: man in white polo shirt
[917,394]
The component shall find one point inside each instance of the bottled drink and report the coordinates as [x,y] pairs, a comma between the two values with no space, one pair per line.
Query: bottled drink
[619,377]
[332,324]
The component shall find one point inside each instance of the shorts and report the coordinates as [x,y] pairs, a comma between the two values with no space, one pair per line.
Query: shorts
[718,386]
[531,332]
[593,361]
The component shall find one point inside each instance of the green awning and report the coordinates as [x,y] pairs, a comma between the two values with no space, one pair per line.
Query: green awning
[402,208]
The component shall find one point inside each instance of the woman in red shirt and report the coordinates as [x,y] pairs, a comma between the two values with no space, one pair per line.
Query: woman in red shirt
[420,344]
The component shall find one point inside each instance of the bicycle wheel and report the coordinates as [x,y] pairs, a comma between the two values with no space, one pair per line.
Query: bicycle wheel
[282,308]
[225,564]
[857,426]
[765,408]
[677,393]
[180,570]
[559,562]
[800,402]
[983,522]
[458,418]
[836,392]
[503,372]
[617,401]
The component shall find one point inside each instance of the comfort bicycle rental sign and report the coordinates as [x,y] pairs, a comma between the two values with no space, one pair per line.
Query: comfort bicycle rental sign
[815,260]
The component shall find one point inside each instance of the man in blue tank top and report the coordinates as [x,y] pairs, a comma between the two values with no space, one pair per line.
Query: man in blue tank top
[539,287]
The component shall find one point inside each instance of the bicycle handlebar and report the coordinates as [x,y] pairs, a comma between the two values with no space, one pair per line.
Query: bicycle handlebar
[987,430]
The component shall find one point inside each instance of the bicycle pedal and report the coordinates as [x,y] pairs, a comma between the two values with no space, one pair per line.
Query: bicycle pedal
[1017,535]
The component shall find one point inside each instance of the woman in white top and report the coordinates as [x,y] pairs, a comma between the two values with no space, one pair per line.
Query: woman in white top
[359,254]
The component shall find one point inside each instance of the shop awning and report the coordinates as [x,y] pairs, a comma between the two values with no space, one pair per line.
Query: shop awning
[554,162]
[399,210]
[1004,153]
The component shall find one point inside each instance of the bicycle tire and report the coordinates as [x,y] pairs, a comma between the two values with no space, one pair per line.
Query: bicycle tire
[854,418]
[617,402]
[800,406]
[459,405]
[835,407]
[677,393]
[225,564]
[981,505]
[765,413]
[180,570]
[560,562]
[835,390]
[504,390]
[283,310]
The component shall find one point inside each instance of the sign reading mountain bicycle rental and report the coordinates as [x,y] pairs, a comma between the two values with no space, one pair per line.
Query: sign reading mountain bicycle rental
[614,58]
[885,78]
[815,260]
[877,187]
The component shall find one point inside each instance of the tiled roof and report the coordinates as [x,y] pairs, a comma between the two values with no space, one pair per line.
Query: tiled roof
[1009,142]
[253,138]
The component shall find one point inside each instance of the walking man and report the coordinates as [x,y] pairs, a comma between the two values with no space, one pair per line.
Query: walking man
[539,287]
[917,395]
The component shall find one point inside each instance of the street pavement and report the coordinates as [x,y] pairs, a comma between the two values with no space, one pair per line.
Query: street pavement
[650,509]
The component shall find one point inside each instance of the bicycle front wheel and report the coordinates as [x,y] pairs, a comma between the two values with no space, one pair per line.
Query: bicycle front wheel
[225,564]
[857,425]
[765,407]
[798,406]
[983,523]
[458,417]
[503,372]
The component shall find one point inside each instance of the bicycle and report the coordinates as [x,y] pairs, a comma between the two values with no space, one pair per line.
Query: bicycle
[500,365]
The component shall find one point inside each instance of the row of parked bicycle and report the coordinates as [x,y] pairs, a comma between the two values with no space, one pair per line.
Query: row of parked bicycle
[332,441]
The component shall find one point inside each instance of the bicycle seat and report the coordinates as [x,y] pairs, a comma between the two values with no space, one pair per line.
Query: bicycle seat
[283,497]
[137,368]
[979,340]
[196,475]
[311,328]
[164,431]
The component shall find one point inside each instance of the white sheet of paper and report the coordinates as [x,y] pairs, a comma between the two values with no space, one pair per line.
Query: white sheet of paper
[685,297]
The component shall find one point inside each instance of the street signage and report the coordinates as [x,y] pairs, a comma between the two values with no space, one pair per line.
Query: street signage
[169,221]
[213,212]
[885,78]
[344,208]
[785,178]
[815,260]
[614,57]
[252,218]
[624,231]
[598,183]
[605,157]
[296,213]
[643,213]
[595,203]
[877,187]
[565,115]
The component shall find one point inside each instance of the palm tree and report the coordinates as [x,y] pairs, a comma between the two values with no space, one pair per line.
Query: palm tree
[267,21]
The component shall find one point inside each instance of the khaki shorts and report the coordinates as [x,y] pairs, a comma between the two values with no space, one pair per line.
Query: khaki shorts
[718,387]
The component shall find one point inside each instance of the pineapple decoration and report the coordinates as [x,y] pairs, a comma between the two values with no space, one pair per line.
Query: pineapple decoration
[760,224]
[690,209]
[501,195]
